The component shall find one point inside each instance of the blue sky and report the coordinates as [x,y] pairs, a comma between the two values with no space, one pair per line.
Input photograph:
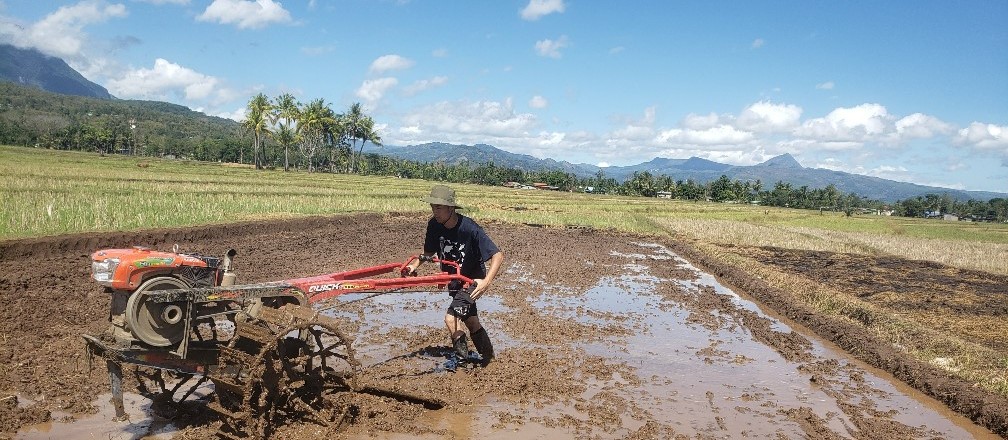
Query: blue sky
[914,91]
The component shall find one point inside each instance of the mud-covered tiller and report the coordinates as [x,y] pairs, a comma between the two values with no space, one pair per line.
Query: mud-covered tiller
[270,353]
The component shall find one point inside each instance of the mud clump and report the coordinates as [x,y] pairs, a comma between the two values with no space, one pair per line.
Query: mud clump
[13,416]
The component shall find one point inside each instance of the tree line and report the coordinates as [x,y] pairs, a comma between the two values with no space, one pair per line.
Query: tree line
[284,133]
[320,138]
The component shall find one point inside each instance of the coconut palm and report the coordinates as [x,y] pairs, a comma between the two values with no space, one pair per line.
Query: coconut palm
[285,113]
[257,121]
[314,128]
[359,126]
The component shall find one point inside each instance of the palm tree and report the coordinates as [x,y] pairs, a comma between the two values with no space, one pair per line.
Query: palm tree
[314,128]
[257,121]
[359,126]
[286,109]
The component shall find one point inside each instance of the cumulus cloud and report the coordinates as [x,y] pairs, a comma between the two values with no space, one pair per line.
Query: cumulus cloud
[828,85]
[769,117]
[984,137]
[538,102]
[537,9]
[61,33]
[701,122]
[374,89]
[236,115]
[385,63]
[424,85]
[467,122]
[843,124]
[919,125]
[721,135]
[163,81]
[550,48]
[246,14]
[635,132]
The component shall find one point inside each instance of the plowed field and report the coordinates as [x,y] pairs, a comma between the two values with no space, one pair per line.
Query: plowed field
[598,335]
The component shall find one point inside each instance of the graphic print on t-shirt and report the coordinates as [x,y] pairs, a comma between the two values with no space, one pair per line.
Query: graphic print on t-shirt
[452,251]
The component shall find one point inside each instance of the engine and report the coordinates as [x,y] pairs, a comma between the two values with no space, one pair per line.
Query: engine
[130,275]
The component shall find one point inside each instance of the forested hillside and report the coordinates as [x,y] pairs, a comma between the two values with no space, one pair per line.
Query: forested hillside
[35,118]
[33,68]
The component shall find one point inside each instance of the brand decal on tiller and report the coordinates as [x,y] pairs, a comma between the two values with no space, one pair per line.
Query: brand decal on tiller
[338,286]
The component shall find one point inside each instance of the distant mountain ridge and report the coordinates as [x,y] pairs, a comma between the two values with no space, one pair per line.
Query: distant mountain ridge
[783,168]
[33,68]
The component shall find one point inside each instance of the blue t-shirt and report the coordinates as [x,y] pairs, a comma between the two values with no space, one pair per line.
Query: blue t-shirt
[466,244]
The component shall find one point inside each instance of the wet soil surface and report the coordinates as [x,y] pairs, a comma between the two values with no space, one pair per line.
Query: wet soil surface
[598,335]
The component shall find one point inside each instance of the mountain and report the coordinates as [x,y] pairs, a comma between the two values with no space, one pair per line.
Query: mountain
[783,168]
[31,67]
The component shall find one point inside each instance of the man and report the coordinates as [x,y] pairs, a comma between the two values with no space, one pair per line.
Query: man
[455,237]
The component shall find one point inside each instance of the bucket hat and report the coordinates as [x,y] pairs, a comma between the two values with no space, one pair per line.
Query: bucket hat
[442,195]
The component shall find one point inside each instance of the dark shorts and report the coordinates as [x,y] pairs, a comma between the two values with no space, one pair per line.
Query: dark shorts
[462,306]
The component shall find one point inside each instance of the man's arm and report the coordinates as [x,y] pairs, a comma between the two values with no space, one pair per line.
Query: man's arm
[483,284]
[411,268]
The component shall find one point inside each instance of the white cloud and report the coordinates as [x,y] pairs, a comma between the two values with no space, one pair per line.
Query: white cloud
[768,117]
[758,43]
[424,85]
[984,137]
[860,123]
[616,50]
[61,33]
[162,81]
[550,48]
[919,125]
[722,135]
[603,164]
[701,122]
[468,122]
[439,52]
[536,9]
[635,133]
[236,115]
[385,63]
[828,85]
[246,14]
[538,102]
[374,89]
[551,138]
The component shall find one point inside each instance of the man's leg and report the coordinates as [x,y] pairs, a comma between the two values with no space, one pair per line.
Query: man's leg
[456,334]
[480,339]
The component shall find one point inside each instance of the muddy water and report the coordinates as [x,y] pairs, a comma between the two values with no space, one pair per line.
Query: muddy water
[698,370]
[142,423]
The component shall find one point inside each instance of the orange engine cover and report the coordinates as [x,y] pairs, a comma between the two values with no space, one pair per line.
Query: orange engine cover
[126,269]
